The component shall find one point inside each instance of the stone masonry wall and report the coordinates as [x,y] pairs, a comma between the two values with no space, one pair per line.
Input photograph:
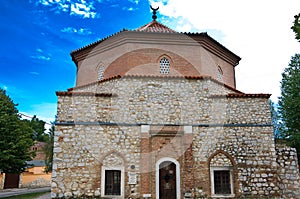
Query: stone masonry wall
[92,127]
[78,154]
[159,101]
[288,172]
[252,151]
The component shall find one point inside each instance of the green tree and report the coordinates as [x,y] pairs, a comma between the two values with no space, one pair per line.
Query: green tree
[289,103]
[48,149]
[38,127]
[15,137]
[277,125]
[296,27]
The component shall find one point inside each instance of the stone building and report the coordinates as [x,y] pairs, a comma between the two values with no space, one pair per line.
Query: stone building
[156,114]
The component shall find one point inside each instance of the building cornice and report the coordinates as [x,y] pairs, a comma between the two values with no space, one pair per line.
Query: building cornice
[157,38]
[69,93]
[243,95]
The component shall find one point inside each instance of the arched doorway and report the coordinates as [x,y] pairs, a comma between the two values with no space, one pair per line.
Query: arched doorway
[167,179]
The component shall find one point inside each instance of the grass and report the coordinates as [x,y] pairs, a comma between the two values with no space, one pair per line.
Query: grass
[26,196]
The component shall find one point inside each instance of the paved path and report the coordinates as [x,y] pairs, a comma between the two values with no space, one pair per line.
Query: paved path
[45,196]
[14,192]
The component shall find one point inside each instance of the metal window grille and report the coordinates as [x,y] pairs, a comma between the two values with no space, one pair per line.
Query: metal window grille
[164,66]
[113,182]
[222,182]
[100,73]
[220,74]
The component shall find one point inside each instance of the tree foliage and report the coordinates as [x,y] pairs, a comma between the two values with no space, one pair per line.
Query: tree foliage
[276,122]
[15,137]
[289,103]
[48,149]
[38,127]
[296,26]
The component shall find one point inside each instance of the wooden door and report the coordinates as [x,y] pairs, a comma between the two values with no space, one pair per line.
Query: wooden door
[11,180]
[167,180]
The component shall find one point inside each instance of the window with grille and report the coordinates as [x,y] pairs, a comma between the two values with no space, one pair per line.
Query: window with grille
[100,73]
[164,66]
[112,182]
[220,74]
[222,182]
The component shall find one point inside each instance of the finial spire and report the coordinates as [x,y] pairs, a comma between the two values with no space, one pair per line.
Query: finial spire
[154,17]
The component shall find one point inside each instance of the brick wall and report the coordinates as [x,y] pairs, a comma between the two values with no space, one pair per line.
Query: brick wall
[187,57]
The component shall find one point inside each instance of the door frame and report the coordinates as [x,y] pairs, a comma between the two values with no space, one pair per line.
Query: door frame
[177,175]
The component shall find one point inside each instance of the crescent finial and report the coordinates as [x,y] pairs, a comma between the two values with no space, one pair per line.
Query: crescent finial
[154,9]
[154,17]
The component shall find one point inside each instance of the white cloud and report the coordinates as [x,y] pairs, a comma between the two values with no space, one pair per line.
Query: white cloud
[34,73]
[84,31]
[80,31]
[39,54]
[115,5]
[44,2]
[134,1]
[258,31]
[68,30]
[40,57]
[83,10]
[62,5]
[3,87]
[129,8]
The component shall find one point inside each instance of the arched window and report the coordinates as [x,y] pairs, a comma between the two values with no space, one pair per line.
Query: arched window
[221,175]
[100,72]
[164,66]
[220,74]
[112,176]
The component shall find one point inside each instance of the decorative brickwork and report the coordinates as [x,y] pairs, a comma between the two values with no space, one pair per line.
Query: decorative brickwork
[220,160]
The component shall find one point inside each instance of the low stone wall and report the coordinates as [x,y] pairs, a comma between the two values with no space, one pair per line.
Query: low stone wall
[288,172]
[35,181]
[2,180]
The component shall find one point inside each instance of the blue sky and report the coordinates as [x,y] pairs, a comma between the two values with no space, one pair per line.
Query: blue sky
[37,37]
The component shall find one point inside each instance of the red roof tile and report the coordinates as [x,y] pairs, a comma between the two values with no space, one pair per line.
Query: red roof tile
[69,93]
[242,95]
[155,26]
